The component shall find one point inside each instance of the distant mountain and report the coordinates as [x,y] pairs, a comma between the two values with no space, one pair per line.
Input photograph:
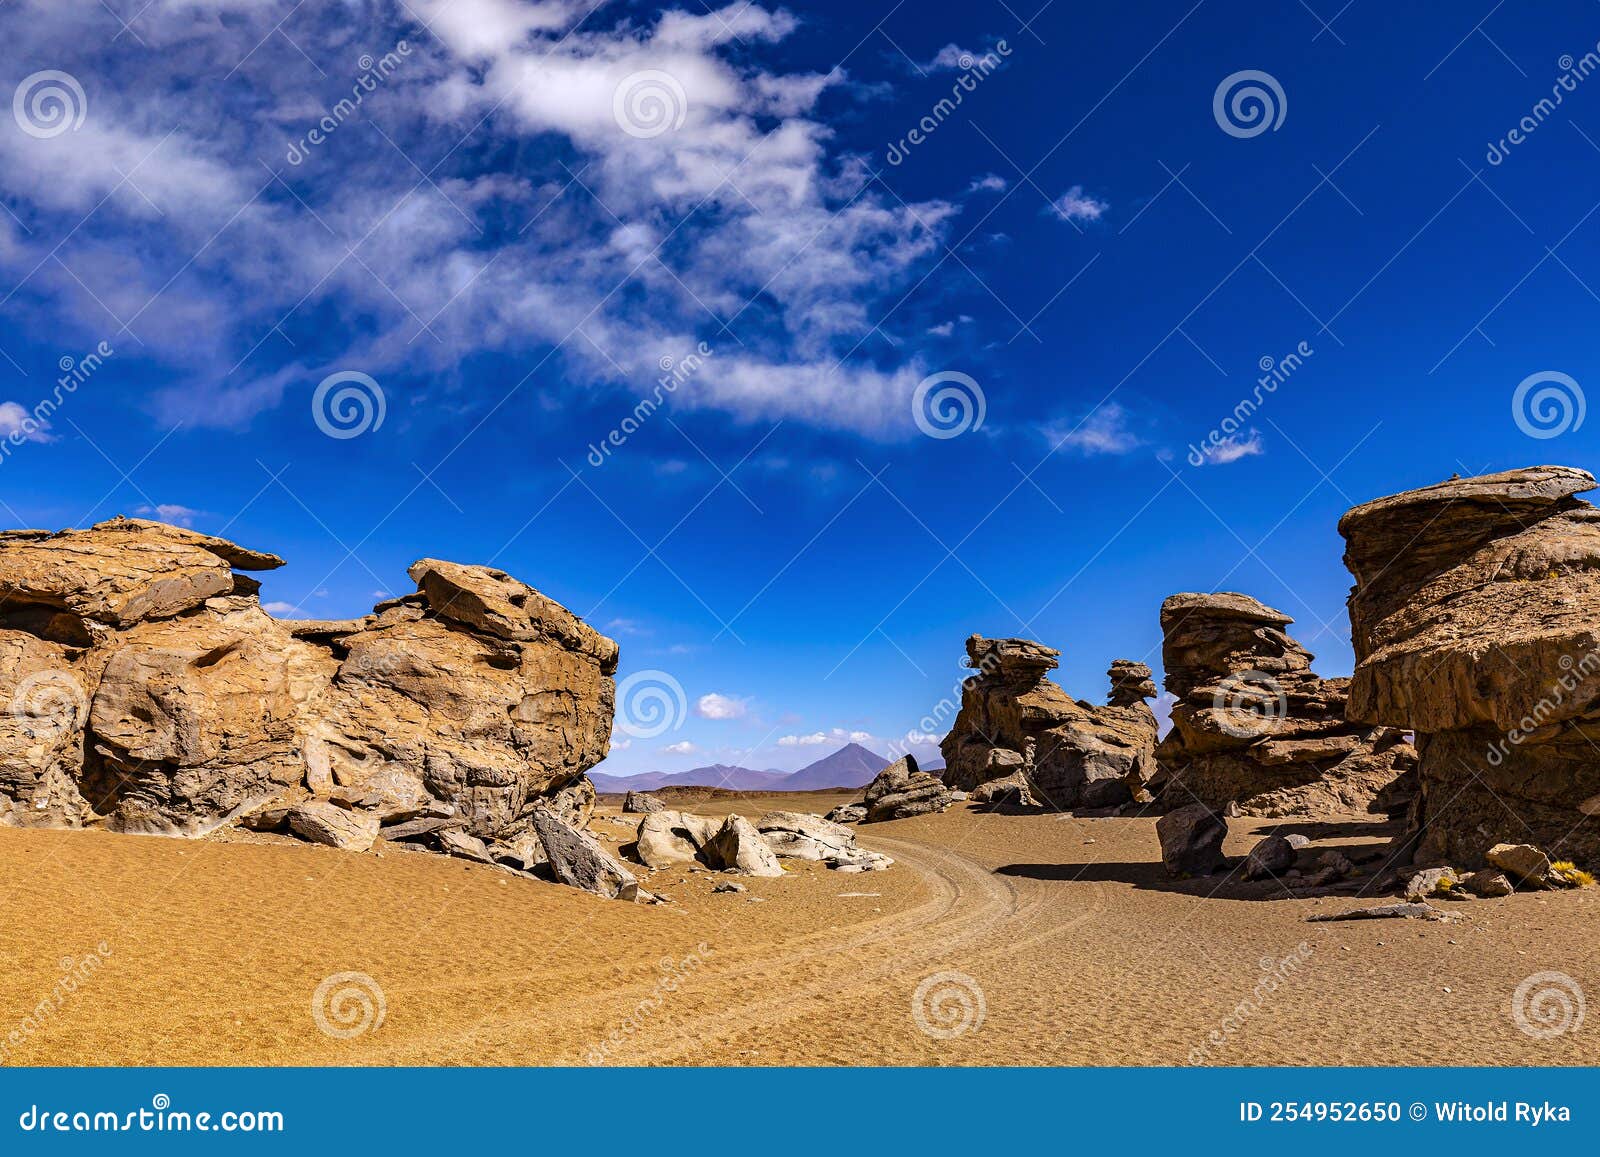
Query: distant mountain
[851,766]
[716,775]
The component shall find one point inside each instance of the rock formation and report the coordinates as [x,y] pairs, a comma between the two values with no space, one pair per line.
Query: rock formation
[1476,621]
[901,791]
[1254,726]
[149,692]
[1072,753]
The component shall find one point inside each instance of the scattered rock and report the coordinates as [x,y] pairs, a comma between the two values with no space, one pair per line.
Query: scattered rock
[641,802]
[455,842]
[1273,855]
[1010,791]
[901,791]
[673,837]
[1524,863]
[1430,882]
[729,886]
[578,860]
[322,822]
[1406,911]
[738,847]
[808,837]
[850,813]
[1488,883]
[1255,727]
[1191,840]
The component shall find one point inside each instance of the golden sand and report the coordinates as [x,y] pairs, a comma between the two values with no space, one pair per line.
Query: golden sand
[1065,933]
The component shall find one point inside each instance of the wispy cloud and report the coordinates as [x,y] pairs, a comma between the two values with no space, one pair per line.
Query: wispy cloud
[1104,430]
[684,747]
[169,512]
[1076,205]
[715,706]
[1235,447]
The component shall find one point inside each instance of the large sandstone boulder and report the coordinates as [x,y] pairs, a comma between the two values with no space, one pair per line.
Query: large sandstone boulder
[1072,753]
[901,791]
[1476,621]
[149,691]
[738,847]
[577,859]
[1255,727]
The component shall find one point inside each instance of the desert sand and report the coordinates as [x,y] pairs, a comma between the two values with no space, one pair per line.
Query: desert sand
[1078,948]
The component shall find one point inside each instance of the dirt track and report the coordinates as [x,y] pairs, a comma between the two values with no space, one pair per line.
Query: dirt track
[1062,933]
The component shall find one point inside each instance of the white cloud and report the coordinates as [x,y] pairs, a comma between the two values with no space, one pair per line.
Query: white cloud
[988,183]
[811,740]
[1102,431]
[281,609]
[16,422]
[168,512]
[833,735]
[623,626]
[748,195]
[1235,447]
[620,744]
[715,706]
[1076,205]
[683,747]
[943,329]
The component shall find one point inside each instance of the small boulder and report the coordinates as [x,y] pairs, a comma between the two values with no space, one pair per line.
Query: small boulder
[738,847]
[321,822]
[849,813]
[455,842]
[1408,911]
[1524,863]
[1430,882]
[799,836]
[578,860]
[1273,855]
[1011,790]
[642,802]
[730,886]
[1191,840]
[1488,883]
[672,837]
[902,791]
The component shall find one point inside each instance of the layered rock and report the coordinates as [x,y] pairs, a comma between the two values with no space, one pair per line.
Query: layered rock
[149,691]
[1072,753]
[1255,727]
[902,790]
[1476,621]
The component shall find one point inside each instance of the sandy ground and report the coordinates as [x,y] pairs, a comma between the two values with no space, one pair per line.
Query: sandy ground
[1063,932]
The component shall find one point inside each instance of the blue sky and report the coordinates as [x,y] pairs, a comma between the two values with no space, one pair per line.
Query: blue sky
[534,207]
